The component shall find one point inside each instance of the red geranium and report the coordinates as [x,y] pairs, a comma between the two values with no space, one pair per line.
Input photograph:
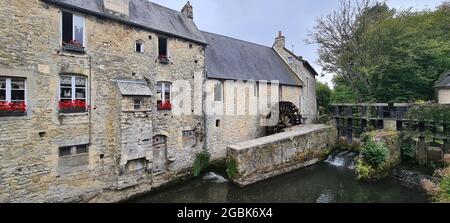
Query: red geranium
[13,107]
[76,104]
[165,105]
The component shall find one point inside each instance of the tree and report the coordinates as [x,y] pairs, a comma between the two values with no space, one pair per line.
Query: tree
[323,93]
[382,55]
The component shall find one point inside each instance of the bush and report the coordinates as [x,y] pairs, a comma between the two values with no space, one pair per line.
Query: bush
[363,172]
[409,149]
[201,162]
[375,153]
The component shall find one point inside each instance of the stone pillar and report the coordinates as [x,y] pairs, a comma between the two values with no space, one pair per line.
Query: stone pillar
[421,152]
[390,124]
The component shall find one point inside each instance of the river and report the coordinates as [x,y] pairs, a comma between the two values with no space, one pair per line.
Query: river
[321,183]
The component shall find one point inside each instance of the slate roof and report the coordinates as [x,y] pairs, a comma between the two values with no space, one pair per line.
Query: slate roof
[144,14]
[134,88]
[443,81]
[232,59]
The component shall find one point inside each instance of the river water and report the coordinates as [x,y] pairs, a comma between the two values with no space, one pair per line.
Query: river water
[321,183]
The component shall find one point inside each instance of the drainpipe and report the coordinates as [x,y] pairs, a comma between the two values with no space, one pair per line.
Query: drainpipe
[90,99]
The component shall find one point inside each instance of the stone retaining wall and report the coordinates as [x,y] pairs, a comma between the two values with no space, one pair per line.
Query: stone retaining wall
[262,158]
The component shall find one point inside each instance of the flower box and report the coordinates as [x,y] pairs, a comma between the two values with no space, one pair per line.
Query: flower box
[163,59]
[165,106]
[76,106]
[12,109]
[74,46]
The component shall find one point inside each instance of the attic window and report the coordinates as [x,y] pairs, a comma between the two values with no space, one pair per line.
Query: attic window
[139,46]
[290,60]
[73,31]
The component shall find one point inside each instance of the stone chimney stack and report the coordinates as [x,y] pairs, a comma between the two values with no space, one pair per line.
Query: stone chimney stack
[188,11]
[280,41]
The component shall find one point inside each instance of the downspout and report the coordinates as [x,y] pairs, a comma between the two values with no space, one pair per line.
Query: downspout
[90,100]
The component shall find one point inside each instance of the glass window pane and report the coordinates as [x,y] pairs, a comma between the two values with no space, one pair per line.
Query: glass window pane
[80,81]
[167,96]
[2,95]
[80,93]
[65,151]
[2,83]
[82,149]
[17,84]
[17,95]
[158,88]
[66,93]
[66,81]
[167,88]
[78,23]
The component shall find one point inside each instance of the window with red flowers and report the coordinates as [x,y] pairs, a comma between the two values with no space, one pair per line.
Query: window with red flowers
[73,94]
[163,90]
[12,96]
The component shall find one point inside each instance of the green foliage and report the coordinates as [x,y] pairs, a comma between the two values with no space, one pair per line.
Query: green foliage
[375,153]
[323,93]
[363,171]
[201,162]
[342,92]
[231,168]
[409,149]
[444,188]
[388,55]
[430,113]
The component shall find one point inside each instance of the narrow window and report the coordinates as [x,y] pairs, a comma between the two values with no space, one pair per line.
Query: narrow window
[163,90]
[162,46]
[73,30]
[218,91]
[12,96]
[139,47]
[162,50]
[217,123]
[73,94]
[137,104]
[65,151]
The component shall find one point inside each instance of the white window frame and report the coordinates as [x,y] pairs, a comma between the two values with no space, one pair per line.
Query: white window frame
[140,103]
[74,87]
[142,46]
[163,91]
[8,89]
[73,26]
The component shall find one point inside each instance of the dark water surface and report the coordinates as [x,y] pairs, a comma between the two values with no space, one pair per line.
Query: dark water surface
[321,183]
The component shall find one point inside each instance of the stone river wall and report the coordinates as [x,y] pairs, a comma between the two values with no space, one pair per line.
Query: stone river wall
[259,159]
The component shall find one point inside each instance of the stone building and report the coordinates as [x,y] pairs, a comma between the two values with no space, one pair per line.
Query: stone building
[256,66]
[87,95]
[443,88]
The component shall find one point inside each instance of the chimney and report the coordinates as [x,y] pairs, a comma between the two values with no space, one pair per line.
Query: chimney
[280,41]
[188,11]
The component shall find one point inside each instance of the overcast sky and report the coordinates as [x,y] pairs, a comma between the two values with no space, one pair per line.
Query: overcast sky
[259,21]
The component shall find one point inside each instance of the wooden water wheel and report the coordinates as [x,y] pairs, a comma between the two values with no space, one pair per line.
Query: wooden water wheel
[289,116]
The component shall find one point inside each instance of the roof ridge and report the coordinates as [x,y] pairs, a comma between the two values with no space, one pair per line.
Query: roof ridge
[234,38]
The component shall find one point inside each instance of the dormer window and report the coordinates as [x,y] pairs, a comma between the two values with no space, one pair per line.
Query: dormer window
[73,32]
[139,48]
[290,60]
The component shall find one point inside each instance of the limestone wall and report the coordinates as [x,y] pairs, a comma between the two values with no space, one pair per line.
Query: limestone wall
[308,99]
[444,96]
[273,155]
[31,48]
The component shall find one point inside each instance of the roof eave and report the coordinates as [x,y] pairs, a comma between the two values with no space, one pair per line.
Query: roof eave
[79,9]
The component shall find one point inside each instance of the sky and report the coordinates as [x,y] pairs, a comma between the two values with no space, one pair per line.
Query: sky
[259,21]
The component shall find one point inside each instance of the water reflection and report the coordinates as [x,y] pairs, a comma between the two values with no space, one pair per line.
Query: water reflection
[322,183]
